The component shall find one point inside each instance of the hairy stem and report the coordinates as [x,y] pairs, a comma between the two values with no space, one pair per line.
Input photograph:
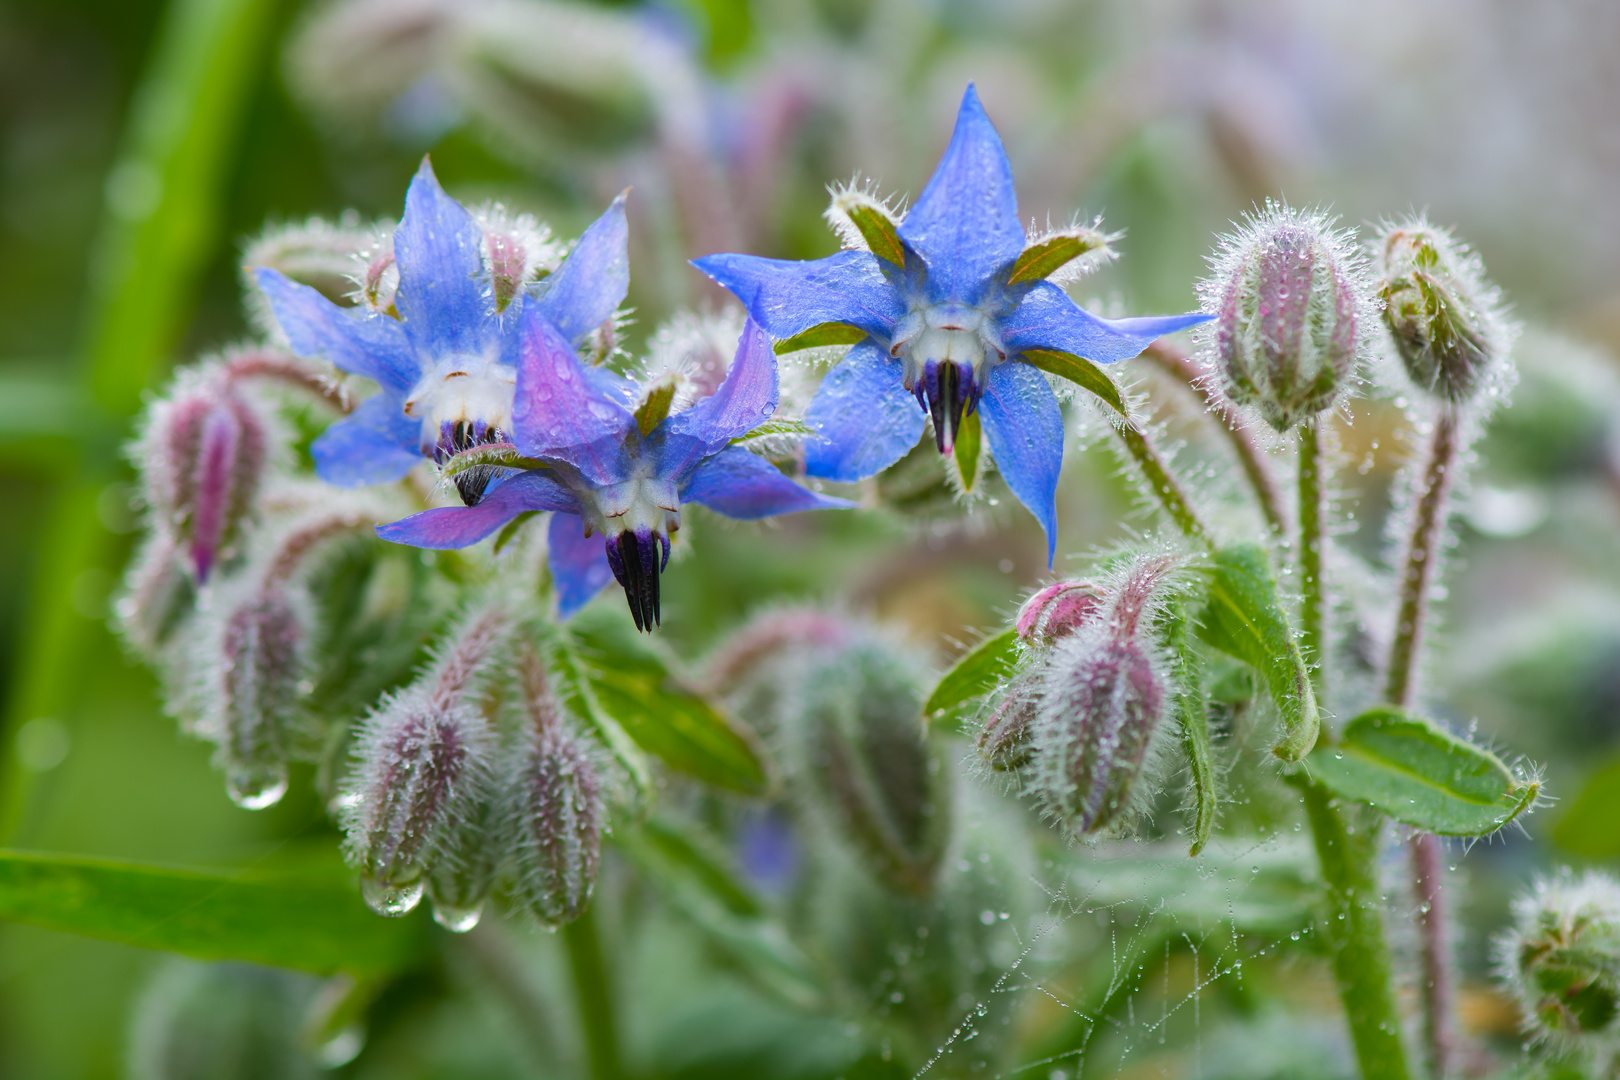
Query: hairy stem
[1174,360]
[593,994]
[1424,849]
[1347,844]
[1164,486]
[1312,536]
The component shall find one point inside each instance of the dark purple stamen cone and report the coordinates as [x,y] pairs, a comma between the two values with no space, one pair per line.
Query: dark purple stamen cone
[262,664]
[637,560]
[1103,706]
[946,391]
[557,816]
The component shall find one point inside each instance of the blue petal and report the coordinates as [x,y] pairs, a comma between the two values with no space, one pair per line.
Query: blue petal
[352,338]
[866,419]
[459,526]
[788,297]
[965,223]
[1048,319]
[592,282]
[443,297]
[560,412]
[579,566]
[1024,426]
[743,401]
[376,445]
[743,485]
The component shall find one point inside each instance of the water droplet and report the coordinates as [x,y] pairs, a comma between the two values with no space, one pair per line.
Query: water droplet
[987,917]
[457,920]
[255,789]
[386,898]
[342,1048]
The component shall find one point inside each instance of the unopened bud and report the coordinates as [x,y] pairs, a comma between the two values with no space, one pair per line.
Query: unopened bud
[1288,298]
[378,280]
[203,459]
[861,718]
[557,814]
[1444,316]
[464,870]
[1004,740]
[1562,959]
[263,663]
[518,250]
[158,595]
[1057,611]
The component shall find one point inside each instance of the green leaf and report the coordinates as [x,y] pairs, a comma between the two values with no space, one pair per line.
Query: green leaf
[968,442]
[1244,619]
[782,427]
[310,924]
[635,683]
[1083,373]
[1193,712]
[1591,825]
[1047,257]
[878,230]
[577,690]
[822,334]
[1418,773]
[975,675]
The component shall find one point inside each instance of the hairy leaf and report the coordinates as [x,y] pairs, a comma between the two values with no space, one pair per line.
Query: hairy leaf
[1083,373]
[879,232]
[975,675]
[1193,712]
[1244,619]
[310,924]
[822,334]
[1418,773]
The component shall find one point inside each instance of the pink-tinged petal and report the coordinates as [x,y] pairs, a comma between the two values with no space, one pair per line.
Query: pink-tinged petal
[1024,426]
[592,281]
[444,299]
[458,526]
[965,223]
[787,297]
[378,444]
[746,399]
[743,485]
[560,412]
[865,419]
[1048,319]
[579,565]
[353,339]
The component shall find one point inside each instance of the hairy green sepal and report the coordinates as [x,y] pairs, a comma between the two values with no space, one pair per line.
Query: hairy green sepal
[1083,373]
[1051,255]
[821,335]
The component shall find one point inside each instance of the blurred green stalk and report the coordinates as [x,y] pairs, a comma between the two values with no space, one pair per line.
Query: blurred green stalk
[162,215]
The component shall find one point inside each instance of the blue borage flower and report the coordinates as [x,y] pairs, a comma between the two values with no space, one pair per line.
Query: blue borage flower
[447,365]
[952,307]
[619,462]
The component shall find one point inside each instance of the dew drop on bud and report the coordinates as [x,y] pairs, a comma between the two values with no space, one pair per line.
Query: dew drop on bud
[390,898]
[256,789]
[457,920]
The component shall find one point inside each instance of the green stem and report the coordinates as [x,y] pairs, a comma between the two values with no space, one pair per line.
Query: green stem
[593,994]
[1164,486]
[1347,844]
[1312,607]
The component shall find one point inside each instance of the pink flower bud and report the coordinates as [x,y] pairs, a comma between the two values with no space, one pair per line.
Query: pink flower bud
[379,281]
[1004,740]
[518,251]
[1057,611]
[263,662]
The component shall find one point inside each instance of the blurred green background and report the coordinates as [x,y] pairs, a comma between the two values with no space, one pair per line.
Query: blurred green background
[143,144]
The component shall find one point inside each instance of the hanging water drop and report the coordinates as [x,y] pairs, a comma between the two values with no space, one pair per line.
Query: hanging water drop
[457,920]
[387,898]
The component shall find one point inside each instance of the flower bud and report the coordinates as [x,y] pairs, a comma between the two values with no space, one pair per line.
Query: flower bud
[263,663]
[203,459]
[860,715]
[518,250]
[378,280]
[462,874]
[557,812]
[1057,611]
[1444,316]
[158,595]
[1562,959]
[1004,740]
[1289,303]
[1102,712]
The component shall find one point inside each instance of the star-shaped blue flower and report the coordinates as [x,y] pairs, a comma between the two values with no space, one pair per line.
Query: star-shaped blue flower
[619,463]
[955,306]
[447,365]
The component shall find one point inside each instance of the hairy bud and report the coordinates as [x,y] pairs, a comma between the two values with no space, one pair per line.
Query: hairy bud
[1004,740]
[861,719]
[158,595]
[203,458]
[263,661]
[424,784]
[518,250]
[1057,611]
[557,811]
[1444,316]
[1562,960]
[1290,308]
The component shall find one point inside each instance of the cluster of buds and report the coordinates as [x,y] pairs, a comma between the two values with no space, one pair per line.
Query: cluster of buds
[1562,960]
[432,811]
[1292,311]
[1445,317]
[1082,724]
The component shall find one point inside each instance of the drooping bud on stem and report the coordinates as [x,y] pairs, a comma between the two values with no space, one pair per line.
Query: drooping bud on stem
[427,759]
[1004,740]
[158,595]
[1290,305]
[1562,960]
[557,809]
[264,649]
[1445,317]
[1057,611]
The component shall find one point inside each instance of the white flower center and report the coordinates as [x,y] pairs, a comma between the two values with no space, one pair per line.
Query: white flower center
[946,333]
[641,504]
[463,393]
